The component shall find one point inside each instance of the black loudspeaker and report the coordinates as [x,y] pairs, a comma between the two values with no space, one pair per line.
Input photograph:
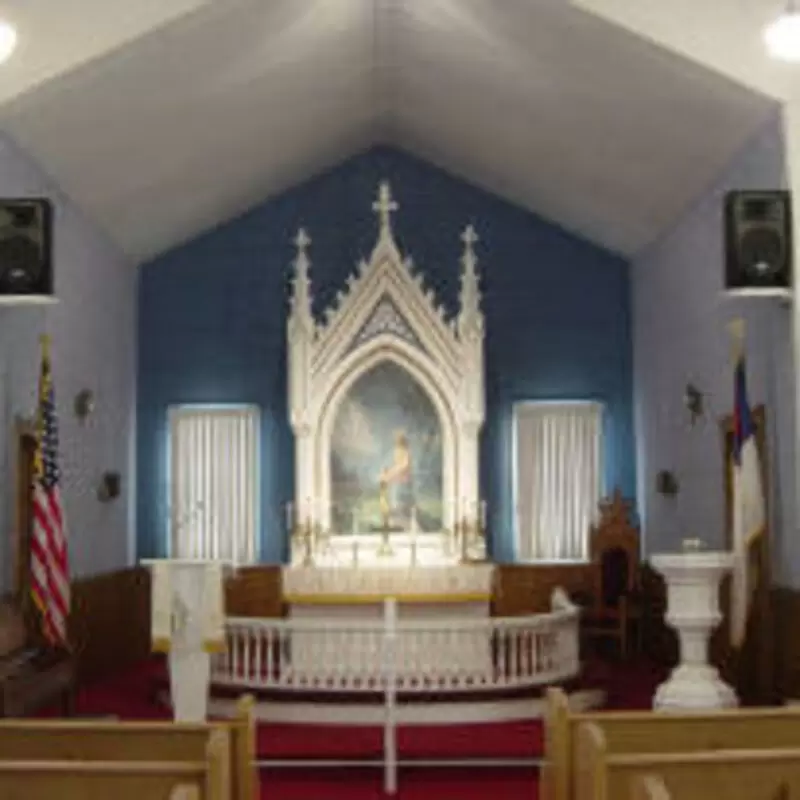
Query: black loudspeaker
[26,244]
[758,241]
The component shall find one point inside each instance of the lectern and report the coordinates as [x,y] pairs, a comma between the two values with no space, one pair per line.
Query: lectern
[188,623]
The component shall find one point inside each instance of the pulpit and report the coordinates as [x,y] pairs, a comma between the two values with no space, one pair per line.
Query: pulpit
[188,623]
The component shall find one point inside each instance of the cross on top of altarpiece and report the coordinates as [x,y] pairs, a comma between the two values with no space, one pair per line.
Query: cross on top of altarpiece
[384,206]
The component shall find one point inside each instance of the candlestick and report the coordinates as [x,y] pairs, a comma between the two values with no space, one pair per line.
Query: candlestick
[289,516]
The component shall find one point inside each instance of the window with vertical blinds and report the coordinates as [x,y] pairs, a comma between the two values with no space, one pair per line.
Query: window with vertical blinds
[213,458]
[557,478]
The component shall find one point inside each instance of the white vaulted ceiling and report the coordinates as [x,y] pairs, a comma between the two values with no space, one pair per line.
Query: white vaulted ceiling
[162,118]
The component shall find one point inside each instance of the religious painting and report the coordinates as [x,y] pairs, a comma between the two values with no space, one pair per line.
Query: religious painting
[386,456]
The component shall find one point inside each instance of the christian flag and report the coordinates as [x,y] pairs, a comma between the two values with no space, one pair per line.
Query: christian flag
[49,570]
[749,507]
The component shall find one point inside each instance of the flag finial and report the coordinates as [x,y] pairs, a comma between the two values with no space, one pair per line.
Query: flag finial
[44,339]
[736,328]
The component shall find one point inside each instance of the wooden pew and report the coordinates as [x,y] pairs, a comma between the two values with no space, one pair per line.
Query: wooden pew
[93,741]
[630,732]
[730,774]
[45,779]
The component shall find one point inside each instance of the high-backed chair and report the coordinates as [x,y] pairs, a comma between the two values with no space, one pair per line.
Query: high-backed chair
[613,605]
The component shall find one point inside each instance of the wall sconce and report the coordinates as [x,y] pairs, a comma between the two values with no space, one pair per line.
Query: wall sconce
[694,400]
[109,488]
[84,404]
[667,483]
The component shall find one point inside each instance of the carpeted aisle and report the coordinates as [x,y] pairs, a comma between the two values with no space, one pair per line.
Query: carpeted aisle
[629,685]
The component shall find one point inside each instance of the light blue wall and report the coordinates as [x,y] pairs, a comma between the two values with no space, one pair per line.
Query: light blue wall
[93,333]
[680,315]
[213,316]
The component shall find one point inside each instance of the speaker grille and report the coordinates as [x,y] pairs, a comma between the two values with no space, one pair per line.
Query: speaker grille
[758,240]
[25,247]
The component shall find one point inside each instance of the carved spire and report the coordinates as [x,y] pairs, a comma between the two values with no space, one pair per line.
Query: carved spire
[301,285]
[384,207]
[470,318]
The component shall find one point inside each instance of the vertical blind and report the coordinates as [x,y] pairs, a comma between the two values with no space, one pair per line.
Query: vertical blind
[214,483]
[558,478]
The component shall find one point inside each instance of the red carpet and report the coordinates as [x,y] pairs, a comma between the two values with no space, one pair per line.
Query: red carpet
[491,740]
[629,685]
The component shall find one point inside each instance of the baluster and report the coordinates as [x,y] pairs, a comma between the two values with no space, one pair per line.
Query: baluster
[460,656]
[247,659]
[272,655]
[235,653]
[502,654]
[258,669]
[283,656]
[515,653]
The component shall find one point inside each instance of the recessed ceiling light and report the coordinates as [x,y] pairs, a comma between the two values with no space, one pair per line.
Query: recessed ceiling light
[8,40]
[782,36]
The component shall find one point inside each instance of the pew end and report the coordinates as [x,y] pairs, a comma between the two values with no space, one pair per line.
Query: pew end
[650,787]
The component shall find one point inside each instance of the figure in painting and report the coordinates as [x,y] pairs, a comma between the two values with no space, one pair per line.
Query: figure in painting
[396,483]
[386,456]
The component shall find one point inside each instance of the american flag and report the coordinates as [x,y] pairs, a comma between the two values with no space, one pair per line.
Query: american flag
[49,569]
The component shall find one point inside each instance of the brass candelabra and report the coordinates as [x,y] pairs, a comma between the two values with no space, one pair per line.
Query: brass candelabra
[471,533]
[303,535]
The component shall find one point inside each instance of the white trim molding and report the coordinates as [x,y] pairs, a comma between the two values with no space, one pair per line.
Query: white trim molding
[386,313]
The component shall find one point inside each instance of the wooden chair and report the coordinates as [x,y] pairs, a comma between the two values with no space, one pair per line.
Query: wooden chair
[613,605]
[32,675]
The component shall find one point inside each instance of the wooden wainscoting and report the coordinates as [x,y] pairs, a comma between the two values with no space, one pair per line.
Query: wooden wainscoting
[110,621]
[255,592]
[526,588]
[786,612]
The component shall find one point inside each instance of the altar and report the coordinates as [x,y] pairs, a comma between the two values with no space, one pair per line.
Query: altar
[387,527]
[435,619]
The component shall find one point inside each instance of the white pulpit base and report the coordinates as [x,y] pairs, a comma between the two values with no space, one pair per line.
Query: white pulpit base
[188,623]
[693,612]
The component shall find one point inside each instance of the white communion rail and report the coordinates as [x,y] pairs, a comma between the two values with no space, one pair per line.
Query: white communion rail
[397,659]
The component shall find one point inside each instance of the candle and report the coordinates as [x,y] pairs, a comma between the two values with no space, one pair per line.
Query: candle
[289,516]
[483,514]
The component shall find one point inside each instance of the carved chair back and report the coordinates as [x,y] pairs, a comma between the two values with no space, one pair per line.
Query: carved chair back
[614,550]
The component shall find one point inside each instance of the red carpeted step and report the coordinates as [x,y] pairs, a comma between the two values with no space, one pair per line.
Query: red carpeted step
[508,783]
[511,740]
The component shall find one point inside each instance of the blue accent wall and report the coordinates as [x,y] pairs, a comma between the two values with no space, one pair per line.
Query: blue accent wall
[212,322]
